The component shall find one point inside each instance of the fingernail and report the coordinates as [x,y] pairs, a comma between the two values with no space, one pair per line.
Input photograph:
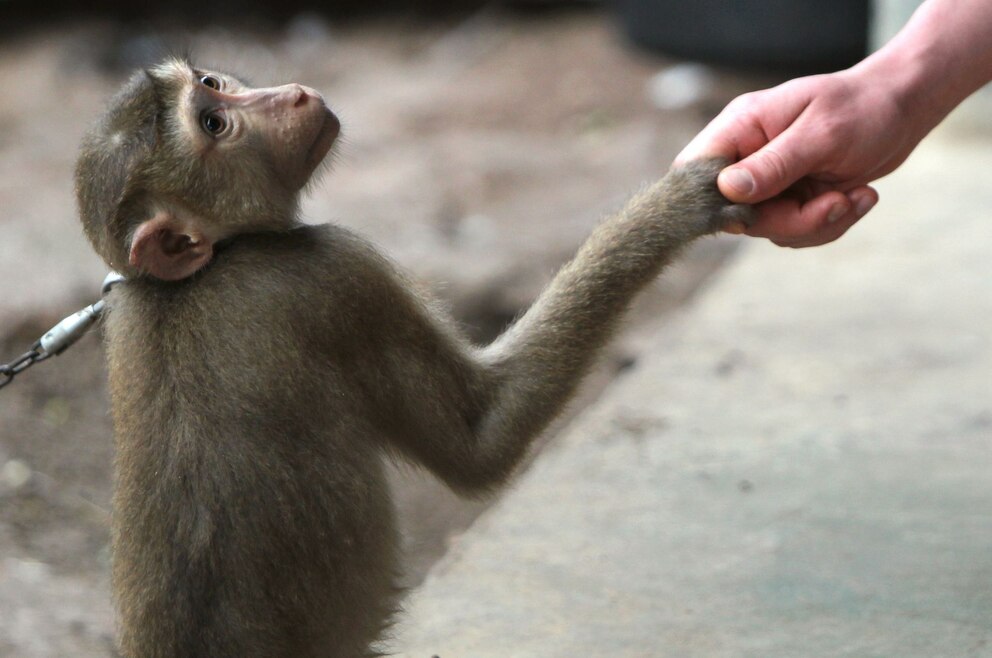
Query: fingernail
[837,211]
[865,204]
[739,179]
[735,227]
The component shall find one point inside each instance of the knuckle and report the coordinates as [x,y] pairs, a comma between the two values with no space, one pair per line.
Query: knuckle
[773,167]
[744,104]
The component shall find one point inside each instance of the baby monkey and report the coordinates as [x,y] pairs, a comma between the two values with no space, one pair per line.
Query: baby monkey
[260,368]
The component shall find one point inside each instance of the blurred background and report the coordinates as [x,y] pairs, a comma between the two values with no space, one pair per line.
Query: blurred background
[482,141]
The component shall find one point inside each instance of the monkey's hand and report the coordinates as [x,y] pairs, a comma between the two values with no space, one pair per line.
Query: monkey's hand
[692,187]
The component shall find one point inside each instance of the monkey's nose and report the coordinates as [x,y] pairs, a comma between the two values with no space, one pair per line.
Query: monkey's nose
[302,97]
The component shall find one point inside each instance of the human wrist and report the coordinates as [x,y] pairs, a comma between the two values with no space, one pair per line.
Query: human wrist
[937,60]
[913,80]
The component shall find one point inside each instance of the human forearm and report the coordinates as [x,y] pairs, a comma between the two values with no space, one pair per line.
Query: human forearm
[941,56]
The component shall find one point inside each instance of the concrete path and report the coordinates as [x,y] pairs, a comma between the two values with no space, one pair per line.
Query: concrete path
[800,465]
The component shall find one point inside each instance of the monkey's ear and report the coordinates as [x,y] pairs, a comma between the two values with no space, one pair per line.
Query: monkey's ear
[169,248]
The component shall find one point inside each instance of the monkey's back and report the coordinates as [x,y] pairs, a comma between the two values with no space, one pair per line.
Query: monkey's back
[250,496]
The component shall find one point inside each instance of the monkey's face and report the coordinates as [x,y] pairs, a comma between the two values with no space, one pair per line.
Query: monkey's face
[225,159]
[288,128]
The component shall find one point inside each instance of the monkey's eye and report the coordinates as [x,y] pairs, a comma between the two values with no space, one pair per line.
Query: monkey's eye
[213,122]
[210,81]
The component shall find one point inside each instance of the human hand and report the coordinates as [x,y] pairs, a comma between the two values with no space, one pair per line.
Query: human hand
[807,150]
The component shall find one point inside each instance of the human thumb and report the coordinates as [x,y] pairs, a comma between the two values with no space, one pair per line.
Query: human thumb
[765,173]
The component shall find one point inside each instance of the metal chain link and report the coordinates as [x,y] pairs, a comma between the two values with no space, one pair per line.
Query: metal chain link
[9,370]
[57,339]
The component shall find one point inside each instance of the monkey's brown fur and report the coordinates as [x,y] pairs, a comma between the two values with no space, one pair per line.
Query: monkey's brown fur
[254,399]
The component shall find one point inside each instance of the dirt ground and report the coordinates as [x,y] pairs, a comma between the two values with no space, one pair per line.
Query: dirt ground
[477,152]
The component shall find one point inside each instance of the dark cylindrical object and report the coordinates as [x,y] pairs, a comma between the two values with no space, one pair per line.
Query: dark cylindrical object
[802,36]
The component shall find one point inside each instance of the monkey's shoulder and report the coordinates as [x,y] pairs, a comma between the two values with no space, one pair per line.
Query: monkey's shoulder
[307,249]
[312,280]
[266,301]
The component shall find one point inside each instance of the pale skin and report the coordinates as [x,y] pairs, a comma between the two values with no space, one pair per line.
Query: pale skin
[807,151]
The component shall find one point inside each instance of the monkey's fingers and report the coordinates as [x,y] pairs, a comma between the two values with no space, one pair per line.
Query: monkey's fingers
[736,218]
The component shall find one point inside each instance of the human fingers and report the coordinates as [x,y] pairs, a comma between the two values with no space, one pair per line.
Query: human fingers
[824,236]
[738,131]
[863,199]
[824,230]
[707,144]
[789,218]
[772,169]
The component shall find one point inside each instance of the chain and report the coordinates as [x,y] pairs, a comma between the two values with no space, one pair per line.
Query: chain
[9,370]
[60,337]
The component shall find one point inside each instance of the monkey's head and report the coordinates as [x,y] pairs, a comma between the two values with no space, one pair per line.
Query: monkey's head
[184,157]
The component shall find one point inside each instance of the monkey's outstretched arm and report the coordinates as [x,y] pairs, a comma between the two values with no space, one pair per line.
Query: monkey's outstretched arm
[474,433]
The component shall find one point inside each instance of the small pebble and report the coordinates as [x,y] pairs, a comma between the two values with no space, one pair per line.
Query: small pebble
[15,474]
